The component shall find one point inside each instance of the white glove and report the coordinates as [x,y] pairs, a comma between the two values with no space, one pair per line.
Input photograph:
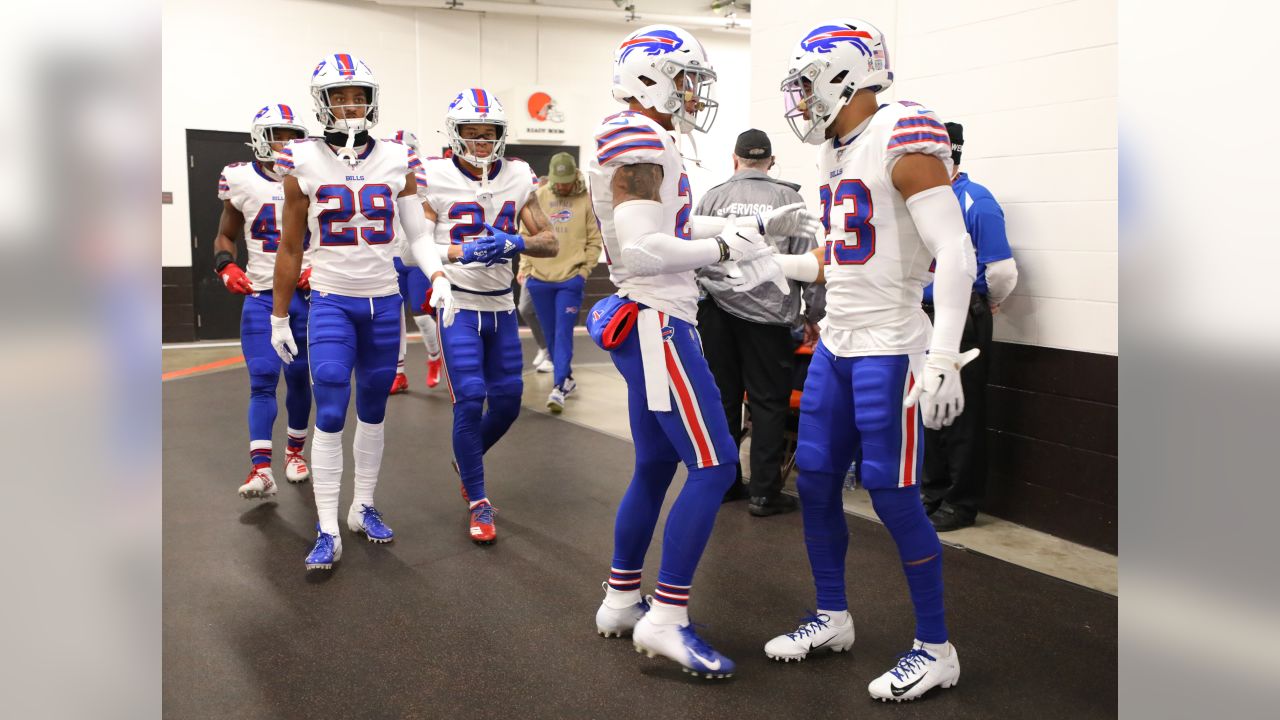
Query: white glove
[442,300]
[753,273]
[282,339]
[793,220]
[939,391]
[742,243]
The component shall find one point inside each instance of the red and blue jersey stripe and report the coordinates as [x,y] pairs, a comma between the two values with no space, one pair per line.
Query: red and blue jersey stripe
[284,158]
[918,129]
[614,142]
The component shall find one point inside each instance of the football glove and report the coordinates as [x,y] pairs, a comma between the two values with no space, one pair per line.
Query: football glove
[793,220]
[442,300]
[511,244]
[938,389]
[304,280]
[235,279]
[282,339]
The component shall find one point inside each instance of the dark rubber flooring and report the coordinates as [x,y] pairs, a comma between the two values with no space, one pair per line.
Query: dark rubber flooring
[433,626]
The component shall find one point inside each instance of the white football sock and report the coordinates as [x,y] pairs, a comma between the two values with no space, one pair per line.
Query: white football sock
[427,325]
[838,617]
[663,614]
[326,477]
[367,449]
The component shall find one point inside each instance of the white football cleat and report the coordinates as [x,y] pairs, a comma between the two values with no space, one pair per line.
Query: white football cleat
[682,644]
[815,631]
[539,359]
[917,672]
[295,468]
[555,401]
[259,484]
[619,622]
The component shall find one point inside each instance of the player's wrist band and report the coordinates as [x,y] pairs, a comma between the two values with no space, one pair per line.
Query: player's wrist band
[724,248]
[222,259]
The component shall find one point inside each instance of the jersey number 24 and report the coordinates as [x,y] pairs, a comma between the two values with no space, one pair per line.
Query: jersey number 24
[859,243]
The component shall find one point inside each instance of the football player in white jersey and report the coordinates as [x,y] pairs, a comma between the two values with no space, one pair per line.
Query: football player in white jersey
[473,200]
[889,211]
[641,195]
[350,189]
[252,198]
[416,290]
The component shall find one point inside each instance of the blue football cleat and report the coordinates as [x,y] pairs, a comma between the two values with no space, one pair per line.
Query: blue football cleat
[368,521]
[682,644]
[327,551]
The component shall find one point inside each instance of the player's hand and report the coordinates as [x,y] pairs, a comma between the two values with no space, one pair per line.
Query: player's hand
[751,274]
[282,339]
[304,280]
[484,249]
[793,220]
[811,333]
[512,244]
[742,243]
[442,300]
[938,389]
[235,279]
[995,309]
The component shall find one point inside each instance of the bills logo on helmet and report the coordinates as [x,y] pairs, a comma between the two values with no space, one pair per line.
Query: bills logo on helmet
[825,38]
[655,42]
[345,67]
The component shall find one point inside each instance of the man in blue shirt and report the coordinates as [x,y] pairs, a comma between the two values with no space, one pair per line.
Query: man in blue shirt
[955,457]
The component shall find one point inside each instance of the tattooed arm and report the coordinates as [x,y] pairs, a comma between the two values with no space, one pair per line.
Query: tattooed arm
[539,241]
[636,182]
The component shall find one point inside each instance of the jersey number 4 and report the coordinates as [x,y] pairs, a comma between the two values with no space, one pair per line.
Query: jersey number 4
[859,242]
[266,229]
[376,205]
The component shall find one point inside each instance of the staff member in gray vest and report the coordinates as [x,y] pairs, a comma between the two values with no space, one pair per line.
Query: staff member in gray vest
[747,337]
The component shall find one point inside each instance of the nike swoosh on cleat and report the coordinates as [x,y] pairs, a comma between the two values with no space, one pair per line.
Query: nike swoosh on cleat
[899,691]
[709,665]
[824,642]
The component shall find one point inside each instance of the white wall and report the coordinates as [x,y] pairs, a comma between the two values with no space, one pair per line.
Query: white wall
[224,60]
[1034,83]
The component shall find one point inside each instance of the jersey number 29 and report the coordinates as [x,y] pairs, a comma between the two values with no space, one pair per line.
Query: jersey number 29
[376,205]
[859,243]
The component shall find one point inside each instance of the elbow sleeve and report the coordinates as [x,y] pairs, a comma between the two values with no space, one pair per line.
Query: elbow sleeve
[1002,278]
[936,215]
[420,233]
[804,268]
[647,250]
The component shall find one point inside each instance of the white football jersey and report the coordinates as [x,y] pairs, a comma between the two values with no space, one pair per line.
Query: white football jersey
[259,196]
[629,138]
[462,205]
[352,216]
[876,263]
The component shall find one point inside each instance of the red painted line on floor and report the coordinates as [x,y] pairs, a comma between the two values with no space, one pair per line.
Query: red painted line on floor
[172,374]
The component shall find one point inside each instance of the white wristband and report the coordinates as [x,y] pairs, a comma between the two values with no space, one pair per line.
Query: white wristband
[804,268]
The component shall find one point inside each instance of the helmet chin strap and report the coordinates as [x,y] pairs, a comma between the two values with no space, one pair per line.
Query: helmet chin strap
[346,142]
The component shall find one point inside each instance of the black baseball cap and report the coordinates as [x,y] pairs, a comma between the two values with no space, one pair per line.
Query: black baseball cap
[956,132]
[753,145]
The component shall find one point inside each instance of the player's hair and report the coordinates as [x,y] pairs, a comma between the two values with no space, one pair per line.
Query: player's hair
[754,163]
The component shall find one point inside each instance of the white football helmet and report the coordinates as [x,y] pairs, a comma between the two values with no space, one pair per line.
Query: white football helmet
[832,62]
[342,70]
[265,123]
[475,106]
[408,138]
[646,64]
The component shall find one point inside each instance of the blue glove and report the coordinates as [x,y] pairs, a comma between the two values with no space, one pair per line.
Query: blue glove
[511,244]
[484,249]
